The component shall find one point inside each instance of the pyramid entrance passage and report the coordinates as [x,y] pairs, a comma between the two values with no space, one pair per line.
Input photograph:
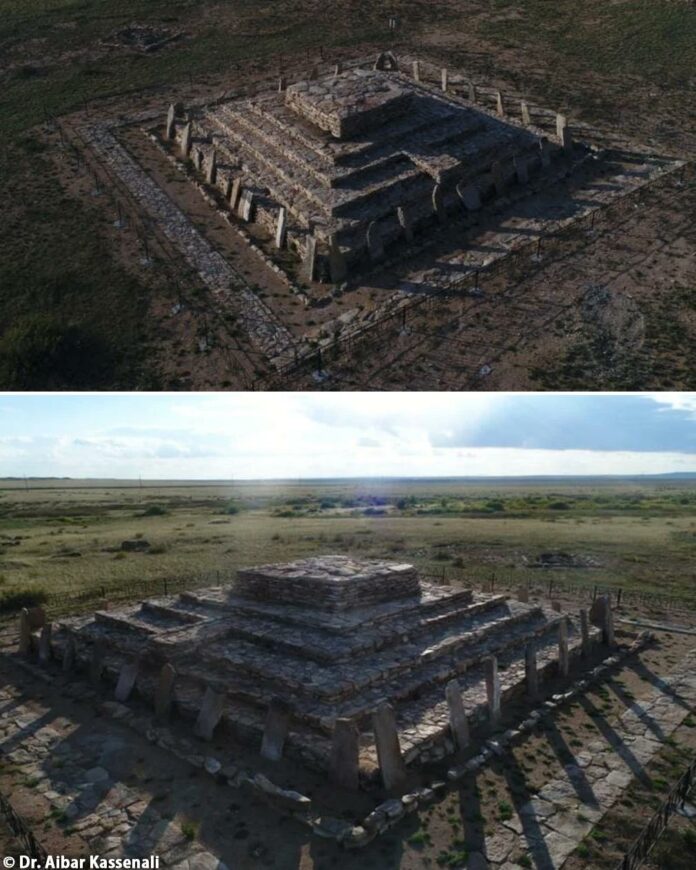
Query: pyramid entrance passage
[289,653]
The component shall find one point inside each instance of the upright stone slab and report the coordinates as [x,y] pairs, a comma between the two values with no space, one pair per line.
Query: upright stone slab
[209,715]
[235,193]
[521,168]
[473,96]
[96,663]
[470,196]
[227,191]
[126,680]
[164,693]
[275,730]
[459,724]
[609,637]
[438,204]
[498,176]
[281,227]
[246,206]
[545,152]
[556,605]
[445,79]
[69,655]
[531,672]
[561,124]
[186,140]
[211,169]
[563,657]
[171,123]
[391,761]
[523,594]
[405,222]
[524,112]
[310,258]
[375,246]
[282,84]
[198,159]
[602,617]
[344,761]
[493,691]
[416,71]
[585,632]
[338,69]
[314,74]
[24,648]
[500,104]
[337,262]
[45,644]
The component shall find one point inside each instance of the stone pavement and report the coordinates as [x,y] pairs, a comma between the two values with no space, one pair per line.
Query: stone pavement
[552,825]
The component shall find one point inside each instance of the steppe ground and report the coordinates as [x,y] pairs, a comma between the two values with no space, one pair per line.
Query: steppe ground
[78,309]
[62,539]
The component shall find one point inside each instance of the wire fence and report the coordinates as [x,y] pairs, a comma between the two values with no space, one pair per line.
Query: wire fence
[21,830]
[651,833]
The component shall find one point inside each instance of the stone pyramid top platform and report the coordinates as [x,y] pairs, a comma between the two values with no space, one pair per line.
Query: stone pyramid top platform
[349,103]
[329,582]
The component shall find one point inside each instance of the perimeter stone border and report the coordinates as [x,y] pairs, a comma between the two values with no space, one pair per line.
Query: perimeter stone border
[386,814]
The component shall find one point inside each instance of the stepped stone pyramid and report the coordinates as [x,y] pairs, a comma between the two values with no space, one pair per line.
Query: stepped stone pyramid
[340,166]
[322,639]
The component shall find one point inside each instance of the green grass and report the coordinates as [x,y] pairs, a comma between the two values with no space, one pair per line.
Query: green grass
[193,538]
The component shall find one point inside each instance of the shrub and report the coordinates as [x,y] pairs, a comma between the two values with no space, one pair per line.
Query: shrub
[13,601]
[231,508]
[154,510]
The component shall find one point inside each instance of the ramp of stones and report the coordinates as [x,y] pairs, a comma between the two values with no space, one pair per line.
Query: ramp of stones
[340,186]
[325,663]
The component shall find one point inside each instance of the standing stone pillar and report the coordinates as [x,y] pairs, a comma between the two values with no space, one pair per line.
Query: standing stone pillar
[282,84]
[445,79]
[69,655]
[556,605]
[171,126]
[375,246]
[275,730]
[211,170]
[405,222]
[164,693]
[198,159]
[246,206]
[561,125]
[601,616]
[310,258]
[459,724]
[337,262]
[563,657]
[209,715]
[281,227]
[391,761]
[470,196]
[545,152]
[521,168]
[344,761]
[526,117]
[24,633]
[498,177]
[608,629]
[531,672]
[314,73]
[338,69]
[45,644]
[500,104]
[126,681]
[523,594]
[186,140]
[416,71]
[472,92]
[438,204]
[493,691]
[585,632]
[96,663]
[235,193]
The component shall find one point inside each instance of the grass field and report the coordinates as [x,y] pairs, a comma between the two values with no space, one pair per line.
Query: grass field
[66,305]
[67,541]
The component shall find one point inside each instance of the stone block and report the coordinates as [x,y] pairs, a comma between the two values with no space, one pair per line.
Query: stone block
[310,259]
[444,79]
[210,713]
[126,680]
[345,754]
[524,112]
[391,762]
[235,193]
[281,227]
[493,691]
[500,104]
[459,723]
[170,126]
[275,730]
[45,644]
[186,137]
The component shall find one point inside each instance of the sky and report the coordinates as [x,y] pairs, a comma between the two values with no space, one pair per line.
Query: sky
[313,435]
